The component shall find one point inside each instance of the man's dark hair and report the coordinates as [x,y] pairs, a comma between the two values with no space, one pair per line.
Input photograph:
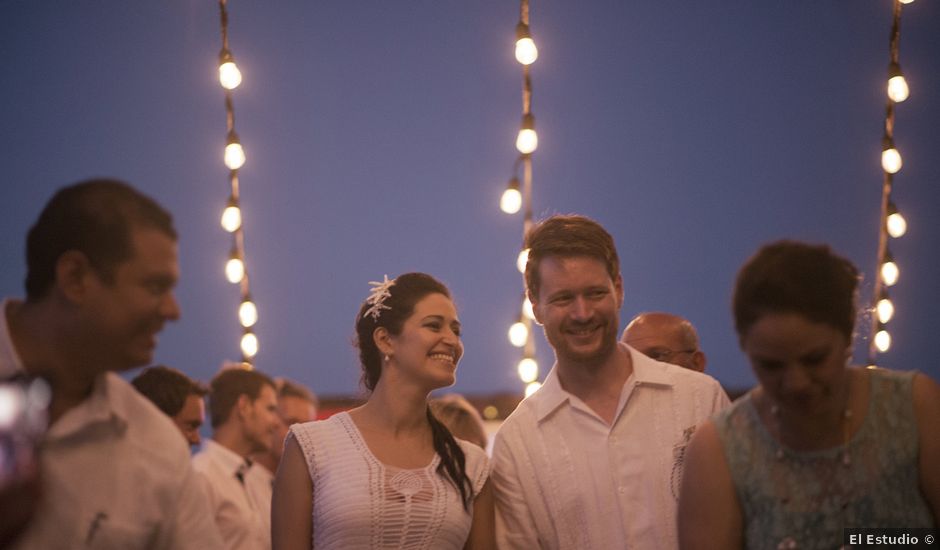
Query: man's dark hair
[568,236]
[228,386]
[168,388]
[95,217]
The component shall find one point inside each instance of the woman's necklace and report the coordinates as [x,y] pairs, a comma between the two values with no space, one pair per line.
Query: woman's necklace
[789,543]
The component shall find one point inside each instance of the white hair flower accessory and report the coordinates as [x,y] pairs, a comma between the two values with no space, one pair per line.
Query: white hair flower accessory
[380,291]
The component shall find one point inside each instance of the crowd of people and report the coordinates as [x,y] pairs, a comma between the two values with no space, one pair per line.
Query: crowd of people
[627,444]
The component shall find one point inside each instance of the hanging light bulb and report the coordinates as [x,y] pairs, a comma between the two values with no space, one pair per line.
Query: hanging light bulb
[231,216]
[528,370]
[249,344]
[883,340]
[518,334]
[906,1]
[531,388]
[884,309]
[511,201]
[248,313]
[898,90]
[234,154]
[889,271]
[890,157]
[522,259]
[229,75]
[234,268]
[527,141]
[526,52]
[527,309]
[895,222]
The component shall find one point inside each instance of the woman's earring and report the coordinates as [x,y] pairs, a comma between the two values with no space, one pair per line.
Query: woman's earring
[387,358]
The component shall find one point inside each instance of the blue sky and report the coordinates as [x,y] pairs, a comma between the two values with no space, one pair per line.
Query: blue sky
[380,136]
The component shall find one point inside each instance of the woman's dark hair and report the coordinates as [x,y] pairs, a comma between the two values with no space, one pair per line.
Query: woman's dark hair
[409,289]
[795,277]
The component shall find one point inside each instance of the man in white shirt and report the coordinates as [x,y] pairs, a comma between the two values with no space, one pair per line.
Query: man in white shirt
[296,404]
[177,396]
[243,412]
[665,337]
[101,268]
[593,459]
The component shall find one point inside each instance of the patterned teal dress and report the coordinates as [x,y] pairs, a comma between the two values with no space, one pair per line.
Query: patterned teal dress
[793,499]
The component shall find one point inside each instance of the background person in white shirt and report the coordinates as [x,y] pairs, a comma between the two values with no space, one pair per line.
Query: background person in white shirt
[296,404]
[177,395]
[101,268]
[243,412]
[665,337]
[593,459]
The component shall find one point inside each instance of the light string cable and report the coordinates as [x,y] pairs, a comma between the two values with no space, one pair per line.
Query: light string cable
[892,223]
[514,198]
[236,270]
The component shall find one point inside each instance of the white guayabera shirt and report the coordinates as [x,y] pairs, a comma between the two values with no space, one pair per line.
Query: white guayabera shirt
[565,479]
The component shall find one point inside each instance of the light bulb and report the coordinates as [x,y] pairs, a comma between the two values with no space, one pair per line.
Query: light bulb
[906,1]
[528,370]
[890,273]
[522,259]
[234,156]
[229,75]
[882,340]
[511,201]
[527,309]
[518,334]
[234,270]
[891,160]
[248,313]
[490,412]
[526,52]
[897,225]
[249,345]
[885,310]
[531,388]
[231,218]
[898,90]
[527,141]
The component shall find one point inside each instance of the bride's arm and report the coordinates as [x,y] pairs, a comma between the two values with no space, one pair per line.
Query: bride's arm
[482,534]
[292,503]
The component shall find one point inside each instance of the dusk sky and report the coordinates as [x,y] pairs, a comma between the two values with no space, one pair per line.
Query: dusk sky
[380,136]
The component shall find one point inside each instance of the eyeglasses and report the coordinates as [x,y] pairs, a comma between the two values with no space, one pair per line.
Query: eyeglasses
[665,354]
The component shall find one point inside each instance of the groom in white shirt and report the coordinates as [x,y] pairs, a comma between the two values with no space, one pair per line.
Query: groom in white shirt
[593,459]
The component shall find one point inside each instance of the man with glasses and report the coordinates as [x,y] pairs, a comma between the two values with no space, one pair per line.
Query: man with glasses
[665,337]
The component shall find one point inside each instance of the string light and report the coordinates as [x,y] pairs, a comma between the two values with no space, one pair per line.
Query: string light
[518,196]
[528,370]
[890,157]
[890,272]
[248,313]
[518,334]
[229,75]
[526,52]
[884,309]
[231,216]
[893,223]
[511,201]
[236,272]
[532,387]
[522,259]
[898,90]
[883,340]
[249,345]
[527,141]
[234,269]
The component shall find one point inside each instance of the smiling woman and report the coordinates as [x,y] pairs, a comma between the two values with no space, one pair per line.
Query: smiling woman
[389,474]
